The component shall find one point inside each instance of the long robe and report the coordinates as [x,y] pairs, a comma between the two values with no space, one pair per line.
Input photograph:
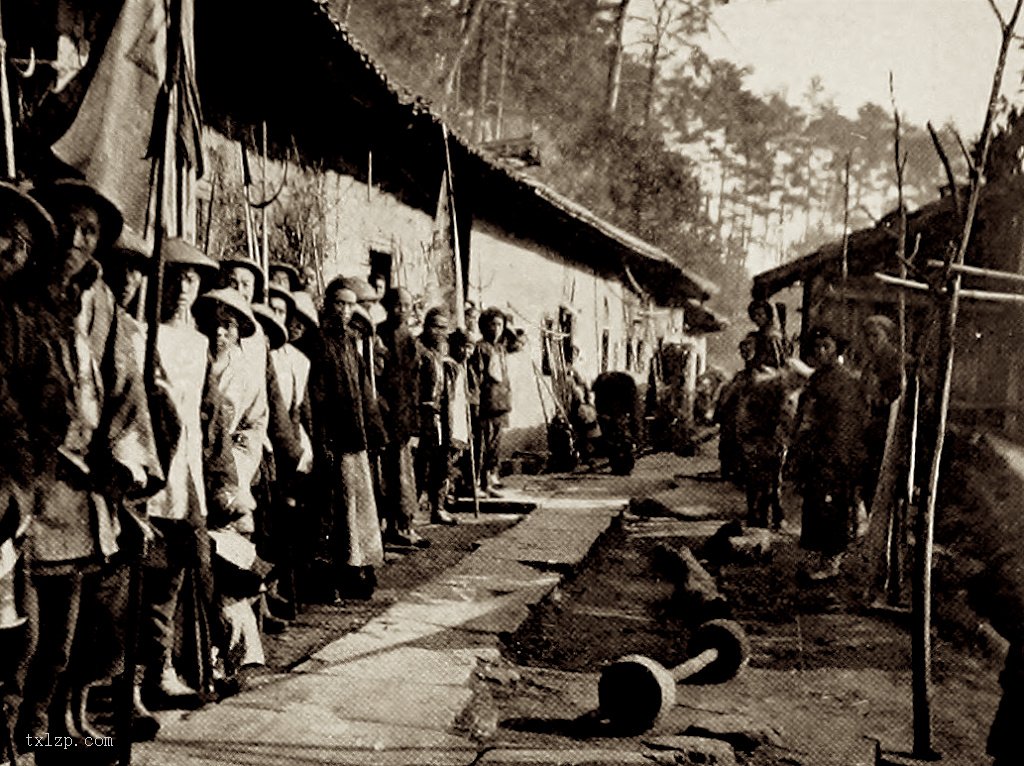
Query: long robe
[343,410]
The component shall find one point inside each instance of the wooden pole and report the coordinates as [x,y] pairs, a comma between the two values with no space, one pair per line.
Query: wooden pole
[265,248]
[978,271]
[460,308]
[10,171]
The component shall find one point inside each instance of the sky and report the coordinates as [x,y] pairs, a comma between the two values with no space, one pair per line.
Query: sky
[942,52]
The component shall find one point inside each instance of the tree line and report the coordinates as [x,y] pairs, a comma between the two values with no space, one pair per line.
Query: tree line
[635,120]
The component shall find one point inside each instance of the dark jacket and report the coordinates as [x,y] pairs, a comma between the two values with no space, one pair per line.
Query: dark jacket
[345,415]
[397,386]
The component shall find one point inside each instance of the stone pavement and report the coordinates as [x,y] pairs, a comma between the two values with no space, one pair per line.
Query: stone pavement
[390,693]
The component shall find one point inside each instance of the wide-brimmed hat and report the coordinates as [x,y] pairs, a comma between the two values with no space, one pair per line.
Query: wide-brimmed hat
[225,297]
[285,295]
[362,288]
[245,263]
[178,252]
[272,326]
[40,223]
[130,251]
[56,196]
[294,280]
[305,309]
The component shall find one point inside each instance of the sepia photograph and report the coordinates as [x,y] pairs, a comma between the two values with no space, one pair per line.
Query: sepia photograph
[511,382]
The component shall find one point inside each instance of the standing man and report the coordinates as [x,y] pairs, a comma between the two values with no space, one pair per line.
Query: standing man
[398,390]
[31,429]
[107,460]
[178,512]
[490,360]
[342,416]
[435,415]
[829,454]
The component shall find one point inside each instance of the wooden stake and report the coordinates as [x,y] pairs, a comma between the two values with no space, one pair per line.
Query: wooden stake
[977,271]
[10,170]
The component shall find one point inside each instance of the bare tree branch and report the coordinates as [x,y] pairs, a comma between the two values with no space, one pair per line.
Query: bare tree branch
[998,13]
[957,204]
[966,154]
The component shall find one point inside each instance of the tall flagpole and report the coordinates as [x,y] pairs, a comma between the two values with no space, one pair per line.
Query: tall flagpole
[460,311]
[5,108]
[166,108]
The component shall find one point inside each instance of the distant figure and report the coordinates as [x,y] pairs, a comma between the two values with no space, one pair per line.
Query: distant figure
[490,360]
[730,457]
[764,413]
[882,381]
[830,454]
[615,396]
[769,348]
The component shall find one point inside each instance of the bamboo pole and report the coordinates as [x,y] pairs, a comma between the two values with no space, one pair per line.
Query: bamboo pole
[978,271]
[460,310]
[10,170]
[264,261]
[965,293]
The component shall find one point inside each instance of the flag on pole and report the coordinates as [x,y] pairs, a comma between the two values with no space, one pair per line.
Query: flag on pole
[445,274]
[142,97]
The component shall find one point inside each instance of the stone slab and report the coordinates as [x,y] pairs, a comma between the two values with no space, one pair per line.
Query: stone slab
[313,754]
[301,725]
[413,663]
[579,757]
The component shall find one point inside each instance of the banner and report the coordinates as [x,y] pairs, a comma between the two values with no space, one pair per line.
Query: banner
[142,98]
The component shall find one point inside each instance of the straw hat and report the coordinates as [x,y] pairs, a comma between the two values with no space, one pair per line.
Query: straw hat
[178,251]
[57,196]
[285,295]
[305,309]
[227,298]
[40,223]
[227,264]
[364,292]
[294,280]
[130,251]
[272,326]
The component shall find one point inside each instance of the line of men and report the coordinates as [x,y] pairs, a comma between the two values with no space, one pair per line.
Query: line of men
[262,463]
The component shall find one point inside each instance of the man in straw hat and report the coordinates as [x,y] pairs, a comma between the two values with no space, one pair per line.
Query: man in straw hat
[106,461]
[31,429]
[342,414]
[233,409]
[178,512]
[125,268]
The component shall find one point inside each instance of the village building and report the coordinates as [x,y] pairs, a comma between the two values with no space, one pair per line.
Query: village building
[354,166]
[987,390]
[561,272]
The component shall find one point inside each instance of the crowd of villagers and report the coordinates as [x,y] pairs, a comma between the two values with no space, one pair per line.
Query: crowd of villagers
[263,465]
[823,425]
